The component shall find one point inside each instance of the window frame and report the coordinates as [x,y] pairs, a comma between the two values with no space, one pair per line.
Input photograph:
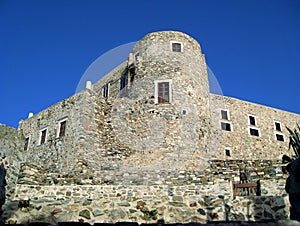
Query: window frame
[106,88]
[59,127]
[225,120]
[227,150]
[27,143]
[227,123]
[227,114]
[41,135]
[280,126]
[280,134]
[176,42]
[249,121]
[156,82]
[123,84]
[254,128]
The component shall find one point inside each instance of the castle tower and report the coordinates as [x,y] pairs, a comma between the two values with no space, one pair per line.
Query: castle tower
[163,107]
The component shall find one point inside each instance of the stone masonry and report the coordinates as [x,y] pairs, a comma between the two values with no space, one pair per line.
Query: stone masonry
[148,142]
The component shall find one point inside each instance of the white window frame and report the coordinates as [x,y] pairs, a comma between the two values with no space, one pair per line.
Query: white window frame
[108,88]
[254,127]
[229,149]
[156,90]
[176,42]
[59,125]
[228,115]
[40,135]
[255,119]
[226,122]
[279,133]
[280,126]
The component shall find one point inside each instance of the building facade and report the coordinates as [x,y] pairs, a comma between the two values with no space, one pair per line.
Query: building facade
[149,136]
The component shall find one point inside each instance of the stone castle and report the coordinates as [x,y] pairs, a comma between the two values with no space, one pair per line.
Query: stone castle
[148,142]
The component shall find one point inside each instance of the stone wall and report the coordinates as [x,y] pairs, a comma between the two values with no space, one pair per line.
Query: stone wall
[182,197]
[143,204]
[11,154]
[241,144]
[2,191]
[67,153]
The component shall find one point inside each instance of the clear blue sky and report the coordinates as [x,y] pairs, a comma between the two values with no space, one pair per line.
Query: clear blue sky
[252,46]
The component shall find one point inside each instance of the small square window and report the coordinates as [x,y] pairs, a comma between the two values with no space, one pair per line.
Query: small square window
[62,128]
[279,137]
[26,145]
[278,126]
[227,152]
[252,120]
[224,114]
[254,132]
[43,136]
[176,47]
[225,126]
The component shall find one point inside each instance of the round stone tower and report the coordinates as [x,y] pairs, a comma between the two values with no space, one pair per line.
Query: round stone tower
[165,112]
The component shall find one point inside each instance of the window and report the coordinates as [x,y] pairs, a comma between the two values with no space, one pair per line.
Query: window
[252,120]
[62,128]
[225,126]
[176,46]
[43,136]
[225,114]
[105,90]
[278,131]
[26,145]
[163,91]
[225,122]
[254,132]
[227,152]
[279,137]
[123,81]
[277,126]
[132,74]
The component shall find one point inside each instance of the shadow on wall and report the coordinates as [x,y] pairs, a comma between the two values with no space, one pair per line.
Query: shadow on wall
[246,208]
[270,207]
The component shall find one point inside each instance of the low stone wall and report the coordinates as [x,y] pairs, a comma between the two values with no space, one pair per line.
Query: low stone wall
[143,204]
[217,172]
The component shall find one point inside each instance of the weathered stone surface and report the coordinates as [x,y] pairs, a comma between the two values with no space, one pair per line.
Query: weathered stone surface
[2,191]
[98,212]
[85,213]
[117,214]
